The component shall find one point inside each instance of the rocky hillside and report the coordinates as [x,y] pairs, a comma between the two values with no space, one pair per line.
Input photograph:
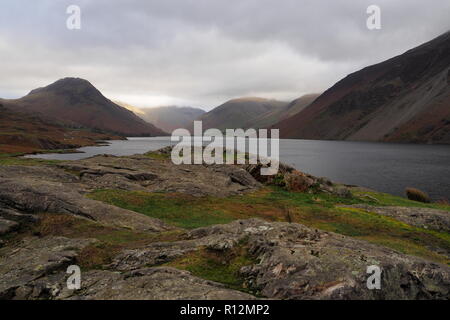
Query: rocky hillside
[76,102]
[142,228]
[168,118]
[404,99]
[239,113]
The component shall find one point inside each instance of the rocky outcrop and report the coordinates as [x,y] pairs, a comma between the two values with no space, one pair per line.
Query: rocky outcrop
[35,190]
[7,226]
[36,269]
[296,262]
[292,262]
[143,173]
[152,284]
[300,263]
[293,180]
[32,190]
[24,265]
[287,260]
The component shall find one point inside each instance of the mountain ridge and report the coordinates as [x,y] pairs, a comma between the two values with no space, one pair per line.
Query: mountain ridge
[238,113]
[403,99]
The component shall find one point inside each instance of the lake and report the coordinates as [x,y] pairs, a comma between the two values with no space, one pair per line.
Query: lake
[380,166]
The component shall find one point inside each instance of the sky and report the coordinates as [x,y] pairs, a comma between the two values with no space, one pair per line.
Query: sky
[202,53]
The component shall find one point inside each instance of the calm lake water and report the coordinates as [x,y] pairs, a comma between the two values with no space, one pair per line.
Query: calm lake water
[384,167]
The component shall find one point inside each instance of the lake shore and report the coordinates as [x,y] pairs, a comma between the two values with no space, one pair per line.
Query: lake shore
[140,221]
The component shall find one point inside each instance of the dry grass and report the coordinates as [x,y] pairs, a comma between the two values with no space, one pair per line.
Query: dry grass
[297,182]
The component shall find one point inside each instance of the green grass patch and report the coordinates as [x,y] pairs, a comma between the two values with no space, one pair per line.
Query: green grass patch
[379,229]
[218,266]
[384,199]
[176,209]
[157,155]
[275,204]
[21,161]
[8,155]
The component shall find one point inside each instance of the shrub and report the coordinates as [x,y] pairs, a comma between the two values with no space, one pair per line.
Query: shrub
[417,195]
[297,181]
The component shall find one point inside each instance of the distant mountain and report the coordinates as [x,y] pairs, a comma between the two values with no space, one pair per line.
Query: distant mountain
[167,118]
[239,113]
[404,99]
[271,117]
[76,102]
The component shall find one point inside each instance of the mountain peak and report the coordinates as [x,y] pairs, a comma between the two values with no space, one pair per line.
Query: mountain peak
[67,84]
[75,101]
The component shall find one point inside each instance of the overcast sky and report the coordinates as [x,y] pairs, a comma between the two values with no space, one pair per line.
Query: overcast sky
[204,52]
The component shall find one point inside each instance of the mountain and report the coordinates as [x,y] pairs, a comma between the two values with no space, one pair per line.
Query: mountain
[25,133]
[403,99]
[269,118]
[238,113]
[76,102]
[167,118]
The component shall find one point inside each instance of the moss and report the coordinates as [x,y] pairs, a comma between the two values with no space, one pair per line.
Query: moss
[218,266]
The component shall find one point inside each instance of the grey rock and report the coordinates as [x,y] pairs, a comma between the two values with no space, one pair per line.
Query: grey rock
[297,262]
[19,217]
[32,259]
[7,226]
[140,172]
[37,193]
[161,283]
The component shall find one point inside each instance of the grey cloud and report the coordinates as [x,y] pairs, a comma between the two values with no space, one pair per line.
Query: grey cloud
[202,52]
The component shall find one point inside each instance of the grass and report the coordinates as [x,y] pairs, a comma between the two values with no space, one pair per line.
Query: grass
[384,199]
[14,154]
[218,266]
[274,204]
[157,155]
[176,209]
[17,159]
